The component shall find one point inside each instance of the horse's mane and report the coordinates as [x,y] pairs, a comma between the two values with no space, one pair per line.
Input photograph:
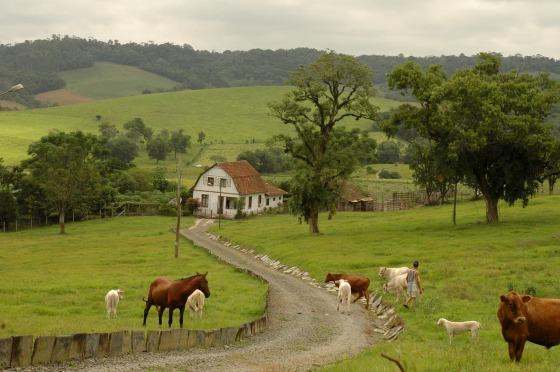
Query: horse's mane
[190,277]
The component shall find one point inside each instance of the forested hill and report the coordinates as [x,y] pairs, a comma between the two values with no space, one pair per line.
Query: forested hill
[36,63]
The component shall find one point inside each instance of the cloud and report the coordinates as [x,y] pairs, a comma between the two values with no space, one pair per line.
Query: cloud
[428,27]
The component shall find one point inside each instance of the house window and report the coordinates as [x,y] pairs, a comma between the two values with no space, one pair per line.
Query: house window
[204,201]
[260,200]
[210,181]
[273,199]
[267,201]
[230,203]
[223,182]
[250,202]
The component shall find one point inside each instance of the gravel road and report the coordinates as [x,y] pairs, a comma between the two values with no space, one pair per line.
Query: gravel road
[305,331]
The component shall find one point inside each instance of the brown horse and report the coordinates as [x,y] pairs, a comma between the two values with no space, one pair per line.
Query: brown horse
[164,293]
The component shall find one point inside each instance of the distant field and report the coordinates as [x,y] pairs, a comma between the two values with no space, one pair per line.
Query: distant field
[111,80]
[61,97]
[11,105]
[464,271]
[231,115]
[54,284]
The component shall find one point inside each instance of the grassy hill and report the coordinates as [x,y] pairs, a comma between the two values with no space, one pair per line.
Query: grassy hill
[464,271]
[111,80]
[226,115]
[56,284]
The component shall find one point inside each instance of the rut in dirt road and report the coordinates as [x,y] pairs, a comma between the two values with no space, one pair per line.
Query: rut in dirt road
[305,331]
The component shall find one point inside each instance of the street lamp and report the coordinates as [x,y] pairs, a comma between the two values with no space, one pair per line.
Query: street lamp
[15,88]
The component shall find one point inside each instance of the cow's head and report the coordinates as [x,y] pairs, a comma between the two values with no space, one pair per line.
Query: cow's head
[513,306]
[121,293]
[440,321]
[385,288]
[330,278]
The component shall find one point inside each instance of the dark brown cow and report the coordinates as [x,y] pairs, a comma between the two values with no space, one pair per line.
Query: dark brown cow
[525,318]
[358,284]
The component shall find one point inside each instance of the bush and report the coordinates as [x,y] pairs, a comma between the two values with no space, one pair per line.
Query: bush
[370,170]
[385,174]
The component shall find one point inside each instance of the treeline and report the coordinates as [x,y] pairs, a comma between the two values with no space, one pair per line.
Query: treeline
[81,174]
[36,63]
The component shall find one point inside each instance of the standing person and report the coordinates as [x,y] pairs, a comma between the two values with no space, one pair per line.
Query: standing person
[413,283]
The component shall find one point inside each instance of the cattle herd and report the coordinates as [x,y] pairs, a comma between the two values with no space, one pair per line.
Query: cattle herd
[522,318]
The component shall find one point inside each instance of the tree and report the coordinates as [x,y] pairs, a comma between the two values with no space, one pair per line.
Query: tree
[8,207]
[123,151]
[108,131]
[201,137]
[158,148]
[552,172]
[326,92]
[490,124]
[64,167]
[137,129]
[179,142]
[388,152]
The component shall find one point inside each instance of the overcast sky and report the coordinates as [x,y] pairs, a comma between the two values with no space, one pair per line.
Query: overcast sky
[411,27]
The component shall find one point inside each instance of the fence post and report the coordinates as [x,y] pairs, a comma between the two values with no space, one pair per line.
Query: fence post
[16,225]
[4,226]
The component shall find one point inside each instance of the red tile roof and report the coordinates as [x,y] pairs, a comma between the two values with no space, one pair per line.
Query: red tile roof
[247,179]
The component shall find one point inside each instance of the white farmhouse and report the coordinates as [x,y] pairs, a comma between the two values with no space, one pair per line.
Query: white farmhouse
[223,184]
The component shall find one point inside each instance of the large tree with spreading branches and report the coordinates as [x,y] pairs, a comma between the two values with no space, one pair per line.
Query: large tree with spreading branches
[333,88]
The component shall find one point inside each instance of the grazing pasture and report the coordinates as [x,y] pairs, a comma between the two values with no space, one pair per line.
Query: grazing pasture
[110,80]
[54,284]
[464,270]
[228,115]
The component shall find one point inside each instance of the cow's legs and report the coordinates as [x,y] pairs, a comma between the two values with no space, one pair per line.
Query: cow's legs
[146,311]
[160,314]
[181,312]
[170,316]
[519,350]
[450,334]
[511,349]
[367,298]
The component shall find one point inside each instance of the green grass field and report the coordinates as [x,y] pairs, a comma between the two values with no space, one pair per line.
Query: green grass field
[231,115]
[54,284]
[464,270]
[111,80]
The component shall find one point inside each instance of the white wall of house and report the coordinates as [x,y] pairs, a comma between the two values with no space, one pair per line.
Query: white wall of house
[211,188]
[209,184]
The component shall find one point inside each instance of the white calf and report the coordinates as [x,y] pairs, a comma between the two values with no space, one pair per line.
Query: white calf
[454,328]
[396,285]
[388,273]
[195,303]
[112,300]
[344,295]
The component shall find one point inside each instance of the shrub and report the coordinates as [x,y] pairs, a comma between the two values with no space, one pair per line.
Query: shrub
[192,206]
[385,174]
[370,170]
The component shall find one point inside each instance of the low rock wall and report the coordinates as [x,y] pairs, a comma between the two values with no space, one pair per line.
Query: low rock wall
[23,351]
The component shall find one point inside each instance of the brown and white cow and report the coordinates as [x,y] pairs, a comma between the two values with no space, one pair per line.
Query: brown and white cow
[358,284]
[525,318]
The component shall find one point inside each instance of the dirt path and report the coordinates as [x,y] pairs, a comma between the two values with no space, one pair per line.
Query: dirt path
[305,330]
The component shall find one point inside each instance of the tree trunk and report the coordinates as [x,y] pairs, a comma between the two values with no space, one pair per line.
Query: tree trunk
[491,209]
[455,205]
[61,218]
[551,182]
[314,222]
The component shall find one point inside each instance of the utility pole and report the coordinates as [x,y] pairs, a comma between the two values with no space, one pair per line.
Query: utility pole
[220,206]
[178,204]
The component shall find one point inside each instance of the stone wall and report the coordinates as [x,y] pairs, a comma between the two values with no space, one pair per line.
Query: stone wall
[23,351]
